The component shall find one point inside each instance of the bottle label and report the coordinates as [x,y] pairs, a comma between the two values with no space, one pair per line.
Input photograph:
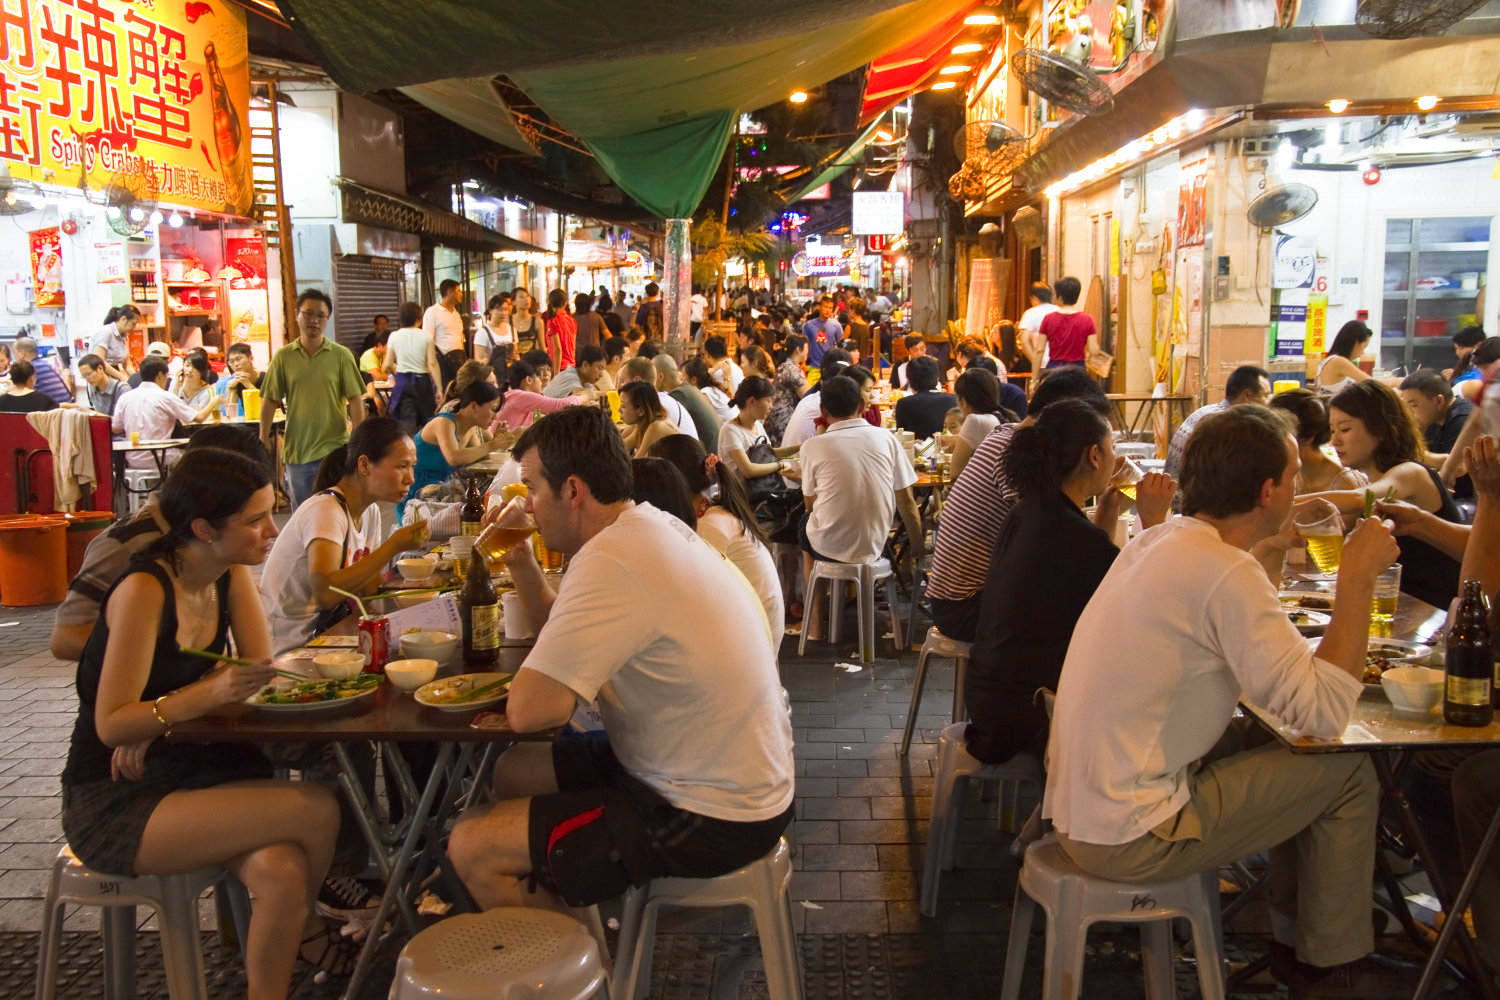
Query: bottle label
[485,628]
[470,527]
[1469,690]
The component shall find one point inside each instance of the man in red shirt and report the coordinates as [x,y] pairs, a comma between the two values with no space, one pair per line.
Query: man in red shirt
[1070,334]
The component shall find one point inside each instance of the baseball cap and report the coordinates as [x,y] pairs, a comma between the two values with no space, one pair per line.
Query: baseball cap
[161,349]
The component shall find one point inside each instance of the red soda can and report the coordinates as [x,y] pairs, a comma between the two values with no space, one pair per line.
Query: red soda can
[375,642]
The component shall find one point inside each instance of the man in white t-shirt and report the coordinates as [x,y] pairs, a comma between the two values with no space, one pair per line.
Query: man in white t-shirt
[697,308]
[1144,783]
[1032,342]
[445,326]
[693,774]
[854,477]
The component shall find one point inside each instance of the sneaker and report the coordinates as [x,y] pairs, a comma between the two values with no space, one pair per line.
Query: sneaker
[346,899]
[1365,979]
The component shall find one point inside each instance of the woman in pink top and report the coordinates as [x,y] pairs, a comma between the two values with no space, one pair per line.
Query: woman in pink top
[520,402]
[560,330]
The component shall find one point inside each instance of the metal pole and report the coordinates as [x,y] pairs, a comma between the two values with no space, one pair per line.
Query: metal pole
[677,286]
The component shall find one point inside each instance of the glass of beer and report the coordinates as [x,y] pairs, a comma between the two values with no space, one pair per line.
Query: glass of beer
[1322,528]
[499,538]
[1383,605]
[460,549]
[1127,475]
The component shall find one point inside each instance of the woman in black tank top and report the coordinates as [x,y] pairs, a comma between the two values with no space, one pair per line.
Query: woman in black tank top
[1374,432]
[134,804]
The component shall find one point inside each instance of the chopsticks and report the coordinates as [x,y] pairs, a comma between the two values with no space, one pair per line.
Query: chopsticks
[236,661]
[418,593]
[479,692]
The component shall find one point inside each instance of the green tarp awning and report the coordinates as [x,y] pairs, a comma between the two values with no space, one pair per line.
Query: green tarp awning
[840,163]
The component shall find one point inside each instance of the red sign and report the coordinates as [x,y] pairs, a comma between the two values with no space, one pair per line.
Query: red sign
[247,254]
[878,244]
[46,266]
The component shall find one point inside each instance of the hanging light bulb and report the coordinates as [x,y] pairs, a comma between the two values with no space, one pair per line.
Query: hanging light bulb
[175,220]
[1338,105]
[1427,103]
[112,212]
[156,218]
[138,215]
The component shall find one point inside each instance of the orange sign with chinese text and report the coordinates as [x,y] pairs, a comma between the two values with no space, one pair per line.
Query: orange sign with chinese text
[94,88]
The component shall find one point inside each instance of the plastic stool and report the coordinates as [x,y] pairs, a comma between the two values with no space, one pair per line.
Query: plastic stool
[173,897]
[762,885]
[865,576]
[138,484]
[511,953]
[955,766]
[1074,899]
[937,644]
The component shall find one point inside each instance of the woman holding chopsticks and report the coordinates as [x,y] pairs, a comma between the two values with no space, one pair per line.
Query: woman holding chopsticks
[333,539]
[136,805]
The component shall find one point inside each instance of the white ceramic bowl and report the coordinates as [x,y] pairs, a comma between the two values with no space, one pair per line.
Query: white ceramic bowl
[408,675]
[340,665]
[439,646]
[1413,689]
[416,568]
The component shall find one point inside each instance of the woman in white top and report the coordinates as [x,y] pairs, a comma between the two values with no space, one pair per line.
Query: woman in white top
[195,383]
[978,394]
[727,522]
[1340,368]
[333,539]
[496,334]
[754,400]
[696,371]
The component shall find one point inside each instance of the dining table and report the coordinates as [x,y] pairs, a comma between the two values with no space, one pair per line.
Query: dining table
[389,717]
[1392,738]
[1146,405]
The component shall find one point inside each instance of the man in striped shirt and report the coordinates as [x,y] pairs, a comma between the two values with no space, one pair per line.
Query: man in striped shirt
[977,506]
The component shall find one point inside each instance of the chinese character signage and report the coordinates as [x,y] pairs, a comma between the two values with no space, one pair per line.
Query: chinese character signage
[1192,203]
[46,266]
[109,263]
[104,87]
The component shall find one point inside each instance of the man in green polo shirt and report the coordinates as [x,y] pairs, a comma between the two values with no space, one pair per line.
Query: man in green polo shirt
[317,382]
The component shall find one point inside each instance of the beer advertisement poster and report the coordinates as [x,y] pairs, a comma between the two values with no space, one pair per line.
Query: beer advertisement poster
[109,263]
[46,267]
[158,92]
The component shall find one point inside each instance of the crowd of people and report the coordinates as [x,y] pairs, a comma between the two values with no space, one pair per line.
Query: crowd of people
[664,481]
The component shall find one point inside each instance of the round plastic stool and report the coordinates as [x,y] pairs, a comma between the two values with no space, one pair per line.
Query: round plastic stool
[510,953]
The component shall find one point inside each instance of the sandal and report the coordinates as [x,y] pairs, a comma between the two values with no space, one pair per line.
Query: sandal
[338,955]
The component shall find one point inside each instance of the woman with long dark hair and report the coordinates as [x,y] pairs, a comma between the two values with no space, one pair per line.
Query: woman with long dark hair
[1374,432]
[195,383]
[1340,368]
[134,804]
[525,321]
[440,448]
[559,330]
[333,538]
[1318,472]
[1047,563]
[753,401]
[658,483]
[978,393]
[727,521]
[791,385]
[644,417]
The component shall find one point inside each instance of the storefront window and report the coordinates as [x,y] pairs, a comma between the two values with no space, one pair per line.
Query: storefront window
[1435,270]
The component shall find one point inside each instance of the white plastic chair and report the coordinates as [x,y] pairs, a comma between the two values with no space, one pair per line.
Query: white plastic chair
[138,485]
[511,953]
[173,897]
[937,644]
[955,766]
[1074,899]
[865,576]
[763,885]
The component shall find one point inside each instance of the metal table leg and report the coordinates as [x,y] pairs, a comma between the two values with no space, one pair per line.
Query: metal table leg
[1455,914]
[369,825]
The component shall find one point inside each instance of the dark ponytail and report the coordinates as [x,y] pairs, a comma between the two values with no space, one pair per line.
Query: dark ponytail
[1041,457]
[373,439]
[686,453]
[753,387]
[117,313]
[211,484]
[981,390]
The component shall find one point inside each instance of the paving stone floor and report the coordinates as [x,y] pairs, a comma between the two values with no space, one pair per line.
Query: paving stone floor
[862,812]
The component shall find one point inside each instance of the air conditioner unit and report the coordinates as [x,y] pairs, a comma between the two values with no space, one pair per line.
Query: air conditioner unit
[1478,125]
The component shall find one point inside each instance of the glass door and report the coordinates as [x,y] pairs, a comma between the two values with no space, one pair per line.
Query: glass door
[1434,271]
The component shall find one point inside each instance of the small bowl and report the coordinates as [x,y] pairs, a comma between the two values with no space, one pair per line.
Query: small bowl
[404,601]
[415,569]
[339,666]
[408,675]
[1413,689]
[439,646]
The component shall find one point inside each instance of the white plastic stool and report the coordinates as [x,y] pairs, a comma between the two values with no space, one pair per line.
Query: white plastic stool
[937,644]
[138,484]
[1074,899]
[173,897]
[512,953]
[955,766]
[865,576]
[762,885]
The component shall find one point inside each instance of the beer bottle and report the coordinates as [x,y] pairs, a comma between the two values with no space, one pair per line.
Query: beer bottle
[1467,691]
[229,139]
[480,606]
[472,512]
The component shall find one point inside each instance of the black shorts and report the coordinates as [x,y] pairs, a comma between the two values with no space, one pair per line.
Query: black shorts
[805,544]
[605,831]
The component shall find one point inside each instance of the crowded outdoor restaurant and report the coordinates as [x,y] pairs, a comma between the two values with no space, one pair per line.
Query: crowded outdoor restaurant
[883,504]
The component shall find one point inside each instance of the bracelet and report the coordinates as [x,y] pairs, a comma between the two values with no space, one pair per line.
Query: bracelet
[156,710]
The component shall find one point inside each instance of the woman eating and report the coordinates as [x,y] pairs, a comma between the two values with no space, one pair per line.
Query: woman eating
[1341,368]
[1375,433]
[791,386]
[22,396]
[1047,563]
[727,522]
[333,538]
[440,451]
[978,394]
[134,804]
[1319,472]
[522,401]
[644,417]
[753,400]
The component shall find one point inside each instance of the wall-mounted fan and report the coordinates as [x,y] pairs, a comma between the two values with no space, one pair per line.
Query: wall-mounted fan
[1281,206]
[1065,78]
[1410,18]
[983,138]
[129,200]
[1026,223]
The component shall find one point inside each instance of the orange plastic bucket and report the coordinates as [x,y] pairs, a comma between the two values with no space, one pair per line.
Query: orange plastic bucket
[33,561]
[83,527]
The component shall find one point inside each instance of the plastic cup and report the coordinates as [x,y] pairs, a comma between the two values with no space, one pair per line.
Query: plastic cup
[1321,526]
[135,437]
[1127,476]
[1387,592]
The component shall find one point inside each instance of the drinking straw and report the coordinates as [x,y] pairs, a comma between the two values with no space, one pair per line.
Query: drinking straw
[362,612]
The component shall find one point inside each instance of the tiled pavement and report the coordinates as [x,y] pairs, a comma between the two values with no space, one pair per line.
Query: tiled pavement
[862,813]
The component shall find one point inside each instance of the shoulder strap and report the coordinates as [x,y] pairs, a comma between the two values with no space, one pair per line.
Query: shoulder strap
[344,549]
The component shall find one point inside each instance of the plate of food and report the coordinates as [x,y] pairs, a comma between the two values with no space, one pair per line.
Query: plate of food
[464,692]
[1308,600]
[1383,654]
[309,696]
[1308,622]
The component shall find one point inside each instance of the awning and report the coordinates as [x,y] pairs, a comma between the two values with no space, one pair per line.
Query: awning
[472,104]
[838,164]
[594,254]
[894,76]
[406,214]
